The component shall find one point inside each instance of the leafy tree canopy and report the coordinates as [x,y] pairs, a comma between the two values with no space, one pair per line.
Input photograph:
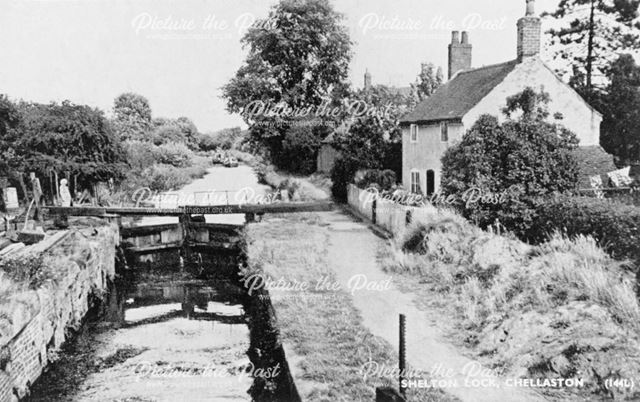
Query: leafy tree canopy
[427,82]
[69,138]
[132,117]
[588,36]
[620,131]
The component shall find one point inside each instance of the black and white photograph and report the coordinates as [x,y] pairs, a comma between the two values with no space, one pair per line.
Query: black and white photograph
[319,200]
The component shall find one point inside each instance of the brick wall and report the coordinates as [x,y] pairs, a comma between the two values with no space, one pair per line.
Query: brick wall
[83,263]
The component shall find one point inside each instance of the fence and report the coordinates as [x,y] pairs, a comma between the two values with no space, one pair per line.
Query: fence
[389,215]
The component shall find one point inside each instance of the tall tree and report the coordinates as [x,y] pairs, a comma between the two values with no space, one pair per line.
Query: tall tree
[589,35]
[298,58]
[427,82]
[181,130]
[620,133]
[132,117]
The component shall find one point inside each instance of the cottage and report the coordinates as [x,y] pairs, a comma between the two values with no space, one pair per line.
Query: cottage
[443,118]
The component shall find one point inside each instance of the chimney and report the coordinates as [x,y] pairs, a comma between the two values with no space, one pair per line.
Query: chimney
[459,53]
[367,80]
[529,30]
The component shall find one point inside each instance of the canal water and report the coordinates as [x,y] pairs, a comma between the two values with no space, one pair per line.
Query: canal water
[220,186]
[167,334]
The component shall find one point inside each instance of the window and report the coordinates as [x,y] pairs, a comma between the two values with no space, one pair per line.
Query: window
[413,130]
[444,131]
[415,182]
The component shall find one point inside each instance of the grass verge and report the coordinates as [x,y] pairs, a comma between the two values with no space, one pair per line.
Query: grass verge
[322,326]
[562,309]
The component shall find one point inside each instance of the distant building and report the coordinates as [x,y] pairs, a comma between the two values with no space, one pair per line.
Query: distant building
[442,119]
[327,155]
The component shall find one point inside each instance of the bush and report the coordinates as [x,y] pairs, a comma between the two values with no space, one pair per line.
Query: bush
[342,174]
[300,147]
[141,154]
[518,161]
[384,179]
[615,226]
[175,154]
[162,177]
[226,139]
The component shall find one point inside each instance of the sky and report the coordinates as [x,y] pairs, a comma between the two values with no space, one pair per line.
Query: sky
[179,53]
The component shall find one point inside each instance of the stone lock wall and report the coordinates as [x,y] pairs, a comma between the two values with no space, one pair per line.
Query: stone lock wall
[80,264]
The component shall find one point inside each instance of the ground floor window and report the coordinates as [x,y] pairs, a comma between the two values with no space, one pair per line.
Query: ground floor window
[415,182]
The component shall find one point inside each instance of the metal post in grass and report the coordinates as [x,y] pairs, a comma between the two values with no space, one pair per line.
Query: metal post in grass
[402,354]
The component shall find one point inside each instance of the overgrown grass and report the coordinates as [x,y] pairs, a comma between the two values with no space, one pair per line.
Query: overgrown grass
[323,326]
[520,305]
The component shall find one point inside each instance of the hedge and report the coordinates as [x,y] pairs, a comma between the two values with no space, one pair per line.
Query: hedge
[614,225]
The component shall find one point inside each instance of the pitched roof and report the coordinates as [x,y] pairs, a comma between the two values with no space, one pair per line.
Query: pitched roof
[459,95]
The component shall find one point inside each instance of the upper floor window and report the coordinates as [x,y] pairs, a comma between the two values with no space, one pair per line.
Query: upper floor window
[413,130]
[444,131]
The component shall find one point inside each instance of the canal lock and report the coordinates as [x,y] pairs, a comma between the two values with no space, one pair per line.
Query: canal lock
[189,271]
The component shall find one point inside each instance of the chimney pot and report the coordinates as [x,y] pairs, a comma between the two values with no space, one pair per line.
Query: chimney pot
[531,8]
[465,38]
[455,37]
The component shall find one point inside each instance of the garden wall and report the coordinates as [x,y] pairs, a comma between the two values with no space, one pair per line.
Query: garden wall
[391,216]
[34,323]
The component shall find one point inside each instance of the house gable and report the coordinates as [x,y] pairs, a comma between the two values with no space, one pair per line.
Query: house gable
[578,116]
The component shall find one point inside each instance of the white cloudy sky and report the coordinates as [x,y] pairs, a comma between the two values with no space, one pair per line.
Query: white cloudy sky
[89,51]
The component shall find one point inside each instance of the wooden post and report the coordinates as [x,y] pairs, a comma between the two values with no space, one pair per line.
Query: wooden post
[374,206]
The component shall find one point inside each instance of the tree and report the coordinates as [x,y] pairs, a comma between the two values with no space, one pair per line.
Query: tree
[298,58]
[372,141]
[9,119]
[12,163]
[522,159]
[69,140]
[620,132]
[132,117]
[427,82]
[180,130]
[591,34]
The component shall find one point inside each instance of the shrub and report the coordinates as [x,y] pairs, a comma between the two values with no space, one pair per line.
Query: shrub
[162,177]
[342,174]
[523,158]
[300,147]
[141,154]
[615,226]
[384,179]
[175,154]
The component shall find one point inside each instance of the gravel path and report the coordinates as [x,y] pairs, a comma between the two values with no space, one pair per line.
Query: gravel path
[352,252]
